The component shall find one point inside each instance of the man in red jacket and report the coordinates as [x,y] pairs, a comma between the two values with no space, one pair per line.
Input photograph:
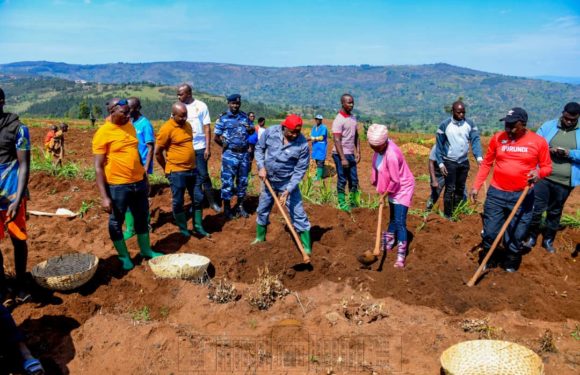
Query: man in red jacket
[520,157]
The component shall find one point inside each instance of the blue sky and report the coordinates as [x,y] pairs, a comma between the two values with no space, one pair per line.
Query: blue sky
[523,38]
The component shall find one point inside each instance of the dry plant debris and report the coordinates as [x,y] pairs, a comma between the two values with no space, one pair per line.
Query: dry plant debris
[265,290]
[482,328]
[222,291]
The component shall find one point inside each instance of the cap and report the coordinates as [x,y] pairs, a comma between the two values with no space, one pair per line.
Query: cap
[292,121]
[234,98]
[319,117]
[516,114]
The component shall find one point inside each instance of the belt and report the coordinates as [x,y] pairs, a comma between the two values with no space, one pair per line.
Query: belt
[238,149]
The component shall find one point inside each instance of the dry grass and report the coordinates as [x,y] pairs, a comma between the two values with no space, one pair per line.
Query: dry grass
[222,291]
[546,343]
[265,290]
[482,328]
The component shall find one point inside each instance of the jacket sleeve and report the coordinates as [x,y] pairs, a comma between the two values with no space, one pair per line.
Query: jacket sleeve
[300,168]
[441,139]
[545,161]
[260,151]
[487,163]
[475,141]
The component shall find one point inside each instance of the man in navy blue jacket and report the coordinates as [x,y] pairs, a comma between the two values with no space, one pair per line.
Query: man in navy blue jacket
[454,136]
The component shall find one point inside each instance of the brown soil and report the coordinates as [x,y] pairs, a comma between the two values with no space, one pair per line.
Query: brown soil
[132,323]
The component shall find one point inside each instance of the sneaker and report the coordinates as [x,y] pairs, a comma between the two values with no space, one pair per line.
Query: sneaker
[549,246]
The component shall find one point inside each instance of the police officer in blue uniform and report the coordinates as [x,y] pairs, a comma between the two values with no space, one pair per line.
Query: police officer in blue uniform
[232,130]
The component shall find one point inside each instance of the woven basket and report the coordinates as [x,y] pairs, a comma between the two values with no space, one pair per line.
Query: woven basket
[179,266]
[66,272]
[490,357]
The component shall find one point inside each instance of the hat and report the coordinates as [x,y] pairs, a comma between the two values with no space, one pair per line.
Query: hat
[516,114]
[318,117]
[572,108]
[292,121]
[234,98]
[377,134]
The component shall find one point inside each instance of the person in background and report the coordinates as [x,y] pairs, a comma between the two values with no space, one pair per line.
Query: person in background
[319,138]
[519,157]
[199,119]
[391,175]
[146,139]
[14,174]
[436,180]
[57,145]
[261,127]
[231,133]
[48,138]
[551,193]
[454,136]
[122,180]
[174,153]
[346,153]
[252,139]
[282,157]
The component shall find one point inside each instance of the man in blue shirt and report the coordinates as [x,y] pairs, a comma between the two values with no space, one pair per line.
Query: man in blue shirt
[231,133]
[14,173]
[319,138]
[282,156]
[146,140]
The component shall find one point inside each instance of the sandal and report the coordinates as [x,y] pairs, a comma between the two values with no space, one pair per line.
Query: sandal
[32,366]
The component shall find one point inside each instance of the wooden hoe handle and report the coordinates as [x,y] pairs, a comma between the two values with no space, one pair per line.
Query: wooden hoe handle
[305,256]
[499,237]
[379,225]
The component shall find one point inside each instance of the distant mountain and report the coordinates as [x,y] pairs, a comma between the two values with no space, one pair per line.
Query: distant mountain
[412,97]
[571,80]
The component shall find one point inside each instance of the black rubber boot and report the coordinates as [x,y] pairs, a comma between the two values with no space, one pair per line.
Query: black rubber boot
[512,261]
[228,213]
[212,201]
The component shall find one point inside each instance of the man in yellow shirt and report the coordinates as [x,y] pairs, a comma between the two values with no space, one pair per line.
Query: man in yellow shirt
[121,179]
[175,154]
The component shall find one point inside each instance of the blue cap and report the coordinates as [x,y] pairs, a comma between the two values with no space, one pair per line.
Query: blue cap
[234,98]
[318,117]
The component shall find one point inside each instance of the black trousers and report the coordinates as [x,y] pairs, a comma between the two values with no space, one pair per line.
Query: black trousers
[550,198]
[454,185]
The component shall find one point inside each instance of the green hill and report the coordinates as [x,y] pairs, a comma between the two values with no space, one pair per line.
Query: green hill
[56,97]
[412,97]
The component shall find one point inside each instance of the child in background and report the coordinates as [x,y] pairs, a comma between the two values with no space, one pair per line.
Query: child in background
[48,138]
[391,174]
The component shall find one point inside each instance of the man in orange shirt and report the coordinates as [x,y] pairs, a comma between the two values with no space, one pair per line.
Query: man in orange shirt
[122,180]
[175,154]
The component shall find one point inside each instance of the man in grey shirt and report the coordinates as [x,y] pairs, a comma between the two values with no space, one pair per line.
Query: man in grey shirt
[454,136]
[282,156]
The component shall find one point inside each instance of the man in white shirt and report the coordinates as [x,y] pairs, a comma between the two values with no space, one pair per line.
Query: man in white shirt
[198,117]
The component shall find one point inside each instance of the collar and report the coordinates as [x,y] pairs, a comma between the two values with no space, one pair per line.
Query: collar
[566,129]
[344,114]
[458,123]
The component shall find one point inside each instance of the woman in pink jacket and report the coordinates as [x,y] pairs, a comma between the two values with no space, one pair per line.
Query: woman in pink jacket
[391,175]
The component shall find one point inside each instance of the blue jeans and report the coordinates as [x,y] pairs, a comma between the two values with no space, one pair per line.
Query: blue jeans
[398,221]
[128,196]
[180,182]
[203,182]
[346,175]
[293,203]
[498,206]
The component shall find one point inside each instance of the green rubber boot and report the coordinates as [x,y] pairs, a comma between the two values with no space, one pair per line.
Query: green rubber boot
[354,199]
[305,239]
[197,218]
[181,221]
[260,234]
[342,205]
[124,257]
[319,173]
[129,225]
[145,246]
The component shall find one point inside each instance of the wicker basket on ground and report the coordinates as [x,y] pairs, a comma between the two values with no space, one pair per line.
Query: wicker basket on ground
[180,266]
[490,357]
[66,272]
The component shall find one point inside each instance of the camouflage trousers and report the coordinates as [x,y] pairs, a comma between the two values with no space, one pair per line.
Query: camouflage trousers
[235,168]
